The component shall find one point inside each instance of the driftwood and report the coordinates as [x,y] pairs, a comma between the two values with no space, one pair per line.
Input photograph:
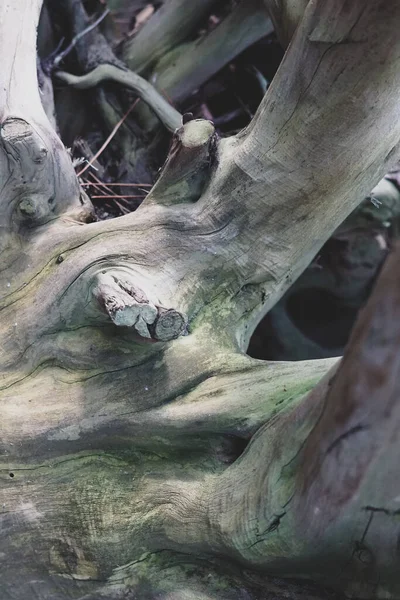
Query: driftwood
[144,454]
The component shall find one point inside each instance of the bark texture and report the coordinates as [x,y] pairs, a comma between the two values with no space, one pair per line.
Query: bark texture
[286,16]
[143,454]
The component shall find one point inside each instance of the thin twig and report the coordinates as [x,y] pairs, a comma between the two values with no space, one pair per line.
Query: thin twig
[78,36]
[101,183]
[110,137]
[120,184]
[123,209]
[116,196]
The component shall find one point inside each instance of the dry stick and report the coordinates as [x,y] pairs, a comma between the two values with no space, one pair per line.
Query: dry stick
[76,39]
[108,140]
[119,184]
[117,196]
[98,188]
[103,195]
[180,72]
[92,183]
[124,210]
[168,115]
[106,187]
[100,183]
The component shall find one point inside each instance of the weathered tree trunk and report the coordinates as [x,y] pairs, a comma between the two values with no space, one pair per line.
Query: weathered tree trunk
[126,395]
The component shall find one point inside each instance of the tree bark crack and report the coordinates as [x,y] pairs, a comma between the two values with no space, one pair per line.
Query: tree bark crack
[345,435]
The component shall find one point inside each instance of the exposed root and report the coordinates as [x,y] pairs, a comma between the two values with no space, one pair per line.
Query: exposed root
[168,115]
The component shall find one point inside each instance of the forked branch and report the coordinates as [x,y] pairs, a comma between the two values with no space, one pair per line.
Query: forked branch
[324,135]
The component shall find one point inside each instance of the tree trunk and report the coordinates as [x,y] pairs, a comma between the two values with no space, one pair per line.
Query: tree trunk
[144,454]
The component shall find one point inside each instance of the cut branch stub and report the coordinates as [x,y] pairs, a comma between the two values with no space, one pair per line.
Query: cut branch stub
[185,172]
[128,306]
[169,324]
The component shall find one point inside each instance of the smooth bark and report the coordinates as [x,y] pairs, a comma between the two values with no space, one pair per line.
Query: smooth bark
[122,453]
[178,74]
[169,26]
[286,16]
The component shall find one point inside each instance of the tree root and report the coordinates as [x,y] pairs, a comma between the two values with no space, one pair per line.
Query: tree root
[93,473]
[168,115]
[332,494]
